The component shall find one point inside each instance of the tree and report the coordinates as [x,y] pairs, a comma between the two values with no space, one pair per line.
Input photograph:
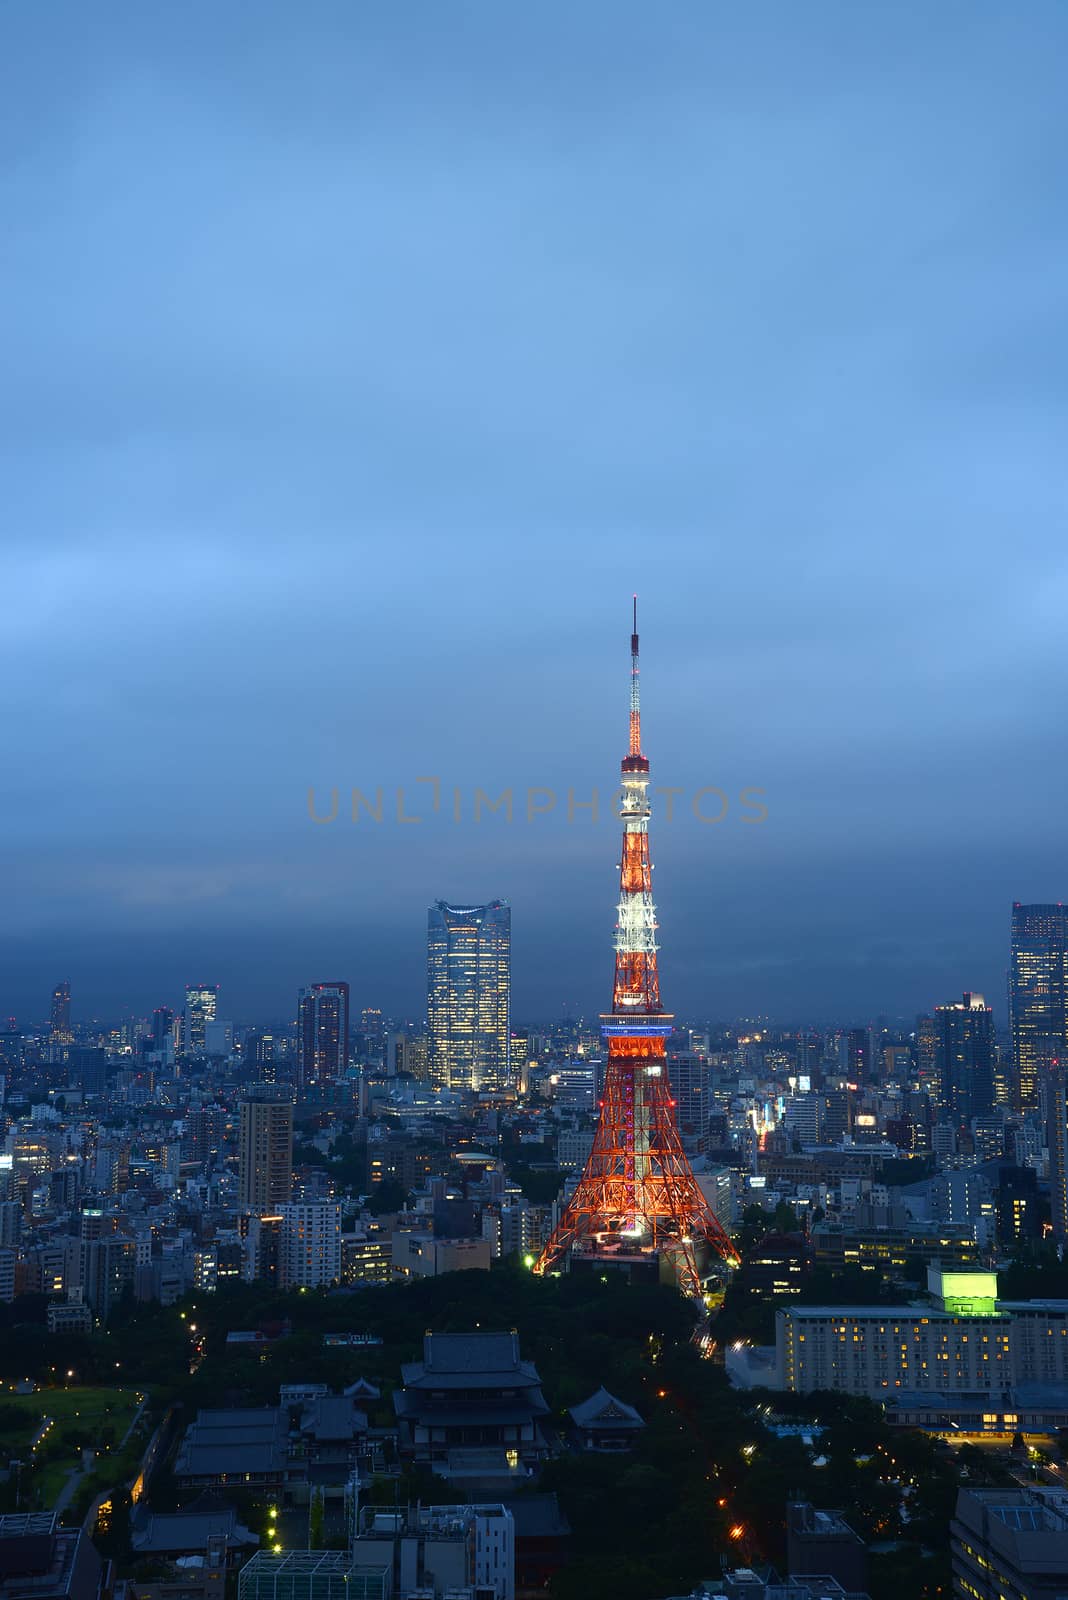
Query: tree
[387,1196]
[316,1518]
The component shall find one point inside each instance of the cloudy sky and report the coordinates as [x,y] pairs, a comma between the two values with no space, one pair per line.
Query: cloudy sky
[360,361]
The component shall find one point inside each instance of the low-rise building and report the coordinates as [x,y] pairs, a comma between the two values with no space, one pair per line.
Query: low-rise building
[72,1318]
[313,1575]
[965,1341]
[421,1255]
[39,1560]
[1010,1542]
[472,1407]
[442,1551]
[238,1448]
[604,1423]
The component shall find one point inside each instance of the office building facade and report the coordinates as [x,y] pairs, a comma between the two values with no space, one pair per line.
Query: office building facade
[201,1001]
[1038,996]
[468,996]
[965,1042]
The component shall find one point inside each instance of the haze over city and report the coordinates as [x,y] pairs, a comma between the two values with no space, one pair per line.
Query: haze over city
[360,367]
[533,917]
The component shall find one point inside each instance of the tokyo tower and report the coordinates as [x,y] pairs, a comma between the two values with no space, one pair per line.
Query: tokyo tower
[637,1195]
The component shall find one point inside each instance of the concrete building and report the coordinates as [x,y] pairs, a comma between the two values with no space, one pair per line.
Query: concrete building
[822,1543]
[439,1551]
[41,1561]
[1010,1542]
[265,1148]
[309,1248]
[418,1254]
[966,1342]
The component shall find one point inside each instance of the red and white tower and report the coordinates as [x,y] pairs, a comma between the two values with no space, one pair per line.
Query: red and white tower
[637,1193]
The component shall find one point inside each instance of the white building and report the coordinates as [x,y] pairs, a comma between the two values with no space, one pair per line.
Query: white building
[420,1255]
[573,1146]
[441,1550]
[967,1340]
[309,1249]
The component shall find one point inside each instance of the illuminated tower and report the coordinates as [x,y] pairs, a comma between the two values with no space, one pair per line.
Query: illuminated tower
[637,1194]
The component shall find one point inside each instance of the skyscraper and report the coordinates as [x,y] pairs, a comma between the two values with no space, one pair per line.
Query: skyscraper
[1057,1140]
[468,992]
[966,1057]
[858,1055]
[162,1028]
[322,1033]
[61,1030]
[201,1000]
[927,1056]
[265,1148]
[1038,995]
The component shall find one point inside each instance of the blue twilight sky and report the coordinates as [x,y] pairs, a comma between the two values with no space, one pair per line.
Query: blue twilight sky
[358,361]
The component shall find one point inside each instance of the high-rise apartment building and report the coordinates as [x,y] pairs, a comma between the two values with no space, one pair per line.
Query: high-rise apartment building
[1038,996]
[469,952]
[201,1000]
[60,1016]
[259,1057]
[966,1057]
[322,1033]
[265,1148]
[858,1054]
[926,1043]
[309,1251]
[690,1078]
[205,1132]
[162,1030]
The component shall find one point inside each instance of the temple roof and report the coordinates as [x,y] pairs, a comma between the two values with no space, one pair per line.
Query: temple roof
[470,1361]
[603,1410]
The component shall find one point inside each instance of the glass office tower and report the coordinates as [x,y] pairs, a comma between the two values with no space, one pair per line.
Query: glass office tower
[469,951]
[1038,996]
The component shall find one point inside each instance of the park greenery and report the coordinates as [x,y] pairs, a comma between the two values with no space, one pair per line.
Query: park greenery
[709,1478]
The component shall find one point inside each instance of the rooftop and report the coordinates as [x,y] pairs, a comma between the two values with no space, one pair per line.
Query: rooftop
[470,1352]
[603,1410]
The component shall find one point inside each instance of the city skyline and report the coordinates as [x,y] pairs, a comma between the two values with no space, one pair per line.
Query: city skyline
[412,1008]
[670,1045]
[495,334]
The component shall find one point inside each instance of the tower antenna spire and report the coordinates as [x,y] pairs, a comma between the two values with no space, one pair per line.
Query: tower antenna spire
[635,689]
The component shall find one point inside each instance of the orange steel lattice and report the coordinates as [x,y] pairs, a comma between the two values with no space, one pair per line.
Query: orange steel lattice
[637,1190]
